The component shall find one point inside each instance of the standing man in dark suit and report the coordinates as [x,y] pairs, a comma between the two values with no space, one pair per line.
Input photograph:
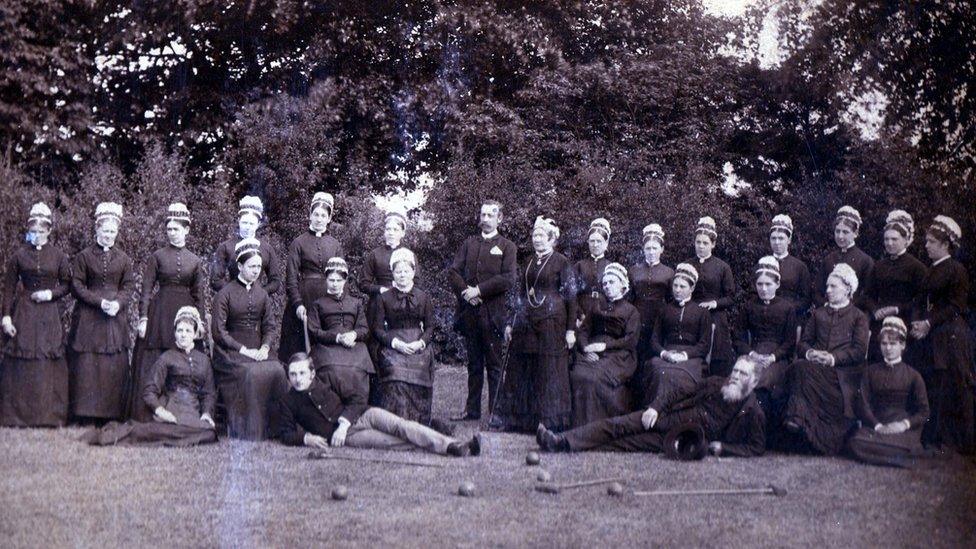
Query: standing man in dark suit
[481,274]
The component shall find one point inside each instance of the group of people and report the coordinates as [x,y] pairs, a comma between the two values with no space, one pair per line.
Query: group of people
[585,354]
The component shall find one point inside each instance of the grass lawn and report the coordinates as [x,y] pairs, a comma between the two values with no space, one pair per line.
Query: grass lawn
[55,491]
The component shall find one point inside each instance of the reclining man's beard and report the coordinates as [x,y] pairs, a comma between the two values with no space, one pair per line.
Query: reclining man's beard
[732,392]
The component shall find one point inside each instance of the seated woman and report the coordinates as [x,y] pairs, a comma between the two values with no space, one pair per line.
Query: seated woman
[767,333]
[180,391]
[403,326]
[536,386]
[833,347]
[679,342]
[337,329]
[243,326]
[608,352]
[894,405]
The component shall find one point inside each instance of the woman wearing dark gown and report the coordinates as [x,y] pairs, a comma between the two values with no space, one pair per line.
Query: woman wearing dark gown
[223,265]
[607,354]
[588,273]
[337,329]
[714,292]
[940,320]
[308,255]
[650,286]
[180,392]
[180,276]
[103,282]
[403,327]
[794,273]
[893,407]
[34,373]
[679,343]
[249,381]
[847,227]
[833,347]
[896,280]
[536,386]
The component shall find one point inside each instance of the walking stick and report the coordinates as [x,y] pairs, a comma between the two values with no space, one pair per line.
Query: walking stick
[501,382]
[549,488]
[770,490]
[325,455]
[308,346]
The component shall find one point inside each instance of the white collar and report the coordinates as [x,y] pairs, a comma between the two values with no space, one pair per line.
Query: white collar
[105,248]
[246,284]
[597,257]
[704,259]
[178,247]
[683,303]
[781,257]
[847,249]
[542,256]
[936,262]
[839,307]
[318,234]
[489,236]
[405,289]
[899,254]
[893,363]
[39,247]
[655,264]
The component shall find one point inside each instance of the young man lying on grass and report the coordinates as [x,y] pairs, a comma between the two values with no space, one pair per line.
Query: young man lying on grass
[323,411]
[724,408]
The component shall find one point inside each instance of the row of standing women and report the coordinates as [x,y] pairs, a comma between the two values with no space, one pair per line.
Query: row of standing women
[632,333]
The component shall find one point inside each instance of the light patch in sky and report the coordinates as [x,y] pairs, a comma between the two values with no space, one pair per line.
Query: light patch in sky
[728,8]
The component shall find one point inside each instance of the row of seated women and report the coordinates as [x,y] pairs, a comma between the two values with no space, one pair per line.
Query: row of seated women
[561,310]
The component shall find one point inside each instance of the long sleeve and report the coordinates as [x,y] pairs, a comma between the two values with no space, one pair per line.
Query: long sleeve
[741,332]
[583,334]
[379,325]
[361,327]
[10,278]
[208,396]
[269,328]
[704,334]
[568,290]
[428,312]
[631,332]
[918,402]
[273,270]
[315,330]
[353,400]
[79,282]
[728,290]
[455,274]
[657,334]
[788,337]
[956,289]
[156,384]
[865,409]
[367,282]
[148,284]
[503,281]
[809,336]
[803,289]
[917,279]
[748,439]
[290,432]
[199,289]
[218,267]
[63,286]
[221,307]
[854,353]
[292,268]
[127,286]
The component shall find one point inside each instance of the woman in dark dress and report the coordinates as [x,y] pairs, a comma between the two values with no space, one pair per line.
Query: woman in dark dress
[794,274]
[182,282]
[650,286]
[223,265]
[180,392]
[588,273]
[403,326]
[847,226]
[308,255]
[250,382]
[34,373]
[679,342]
[607,355]
[767,333]
[536,386]
[714,292]
[337,329]
[896,279]
[103,282]
[893,407]
[821,384]
[940,319]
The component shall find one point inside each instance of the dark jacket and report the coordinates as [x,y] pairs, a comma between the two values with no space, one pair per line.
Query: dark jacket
[490,265]
[743,435]
[772,325]
[318,409]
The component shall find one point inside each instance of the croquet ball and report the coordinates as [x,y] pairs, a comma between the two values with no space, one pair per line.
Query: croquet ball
[532,458]
[543,476]
[615,489]
[340,493]
[466,489]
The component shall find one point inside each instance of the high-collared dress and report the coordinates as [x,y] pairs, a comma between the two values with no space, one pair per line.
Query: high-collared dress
[650,287]
[180,381]
[891,393]
[406,382]
[588,274]
[853,256]
[681,327]
[536,388]
[330,316]
[795,283]
[249,388]
[948,370]
[821,400]
[99,357]
[896,281]
[181,280]
[600,388]
[34,372]
[308,255]
[224,269]
[768,327]
[715,283]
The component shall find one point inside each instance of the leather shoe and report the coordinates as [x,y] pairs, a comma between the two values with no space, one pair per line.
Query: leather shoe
[442,427]
[474,445]
[467,416]
[458,449]
[549,441]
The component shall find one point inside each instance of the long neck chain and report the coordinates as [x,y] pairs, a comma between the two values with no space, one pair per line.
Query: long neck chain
[534,302]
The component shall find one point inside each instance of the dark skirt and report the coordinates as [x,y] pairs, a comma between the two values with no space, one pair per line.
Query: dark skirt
[600,388]
[671,380]
[340,356]
[136,433]
[33,392]
[292,328]
[409,401]
[536,390]
[250,391]
[160,331]
[723,354]
[901,450]
[816,406]
[143,360]
[97,384]
[39,333]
